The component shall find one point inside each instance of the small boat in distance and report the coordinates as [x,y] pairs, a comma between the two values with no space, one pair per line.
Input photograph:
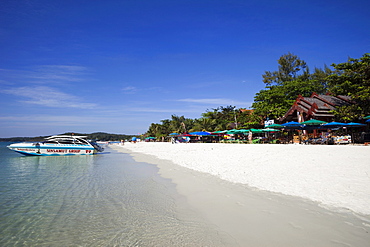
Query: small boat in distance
[58,145]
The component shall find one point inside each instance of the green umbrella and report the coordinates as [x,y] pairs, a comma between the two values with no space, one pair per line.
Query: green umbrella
[276,126]
[270,130]
[314,122]
[256,130]
[367,117]
[243,131]
[233,131]
[219,132]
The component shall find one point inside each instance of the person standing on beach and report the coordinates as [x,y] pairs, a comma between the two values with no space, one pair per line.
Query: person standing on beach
[250,137]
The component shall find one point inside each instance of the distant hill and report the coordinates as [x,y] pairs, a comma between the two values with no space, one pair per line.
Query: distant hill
[101,136]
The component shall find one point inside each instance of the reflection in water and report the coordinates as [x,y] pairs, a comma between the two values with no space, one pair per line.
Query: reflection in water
[101,200]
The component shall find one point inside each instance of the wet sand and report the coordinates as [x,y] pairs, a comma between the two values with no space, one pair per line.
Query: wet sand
[254,217]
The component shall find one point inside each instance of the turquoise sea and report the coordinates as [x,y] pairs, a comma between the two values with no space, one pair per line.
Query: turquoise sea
[99,200]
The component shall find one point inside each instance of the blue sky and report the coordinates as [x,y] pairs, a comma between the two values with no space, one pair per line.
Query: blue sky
[118,66]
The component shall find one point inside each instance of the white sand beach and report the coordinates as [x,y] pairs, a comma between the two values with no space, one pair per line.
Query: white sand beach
[271,195]
[334,176]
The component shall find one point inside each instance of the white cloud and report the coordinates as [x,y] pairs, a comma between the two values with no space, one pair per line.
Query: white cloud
[45,74]
[63,73]
[130,90]
[49,97]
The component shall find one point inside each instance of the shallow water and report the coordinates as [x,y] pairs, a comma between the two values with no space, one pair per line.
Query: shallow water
[101,200]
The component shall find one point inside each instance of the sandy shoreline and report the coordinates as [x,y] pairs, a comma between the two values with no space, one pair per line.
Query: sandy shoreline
[335,176]
[250,216]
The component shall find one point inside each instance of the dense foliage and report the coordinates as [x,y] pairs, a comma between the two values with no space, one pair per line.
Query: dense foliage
[282,87]
[220,118]
[353,79]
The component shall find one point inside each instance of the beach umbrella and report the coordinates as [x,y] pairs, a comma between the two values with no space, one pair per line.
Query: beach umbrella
[243,131]
[233,131]
[367,117]
[219,132]
[174,134]
[333,125]
[367,121]
[314,122]
[291,125]
[256,130]
[276,126]
[200,133]
[355,125]
[270,130]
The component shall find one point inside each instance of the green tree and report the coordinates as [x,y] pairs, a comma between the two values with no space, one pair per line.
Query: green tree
[224,117]
[352,78]
[177,124]
[249,120]
[290,67]
[283,86]
[204,124]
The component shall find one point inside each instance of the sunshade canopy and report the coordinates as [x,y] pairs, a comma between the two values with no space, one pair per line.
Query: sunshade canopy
[233,131]
[291,124]
[367,117]
[256,130]
[219,132]
[243,131]
[355,125]
[333,125]
[314,122]
[200,133]
[270,130]
[276,126]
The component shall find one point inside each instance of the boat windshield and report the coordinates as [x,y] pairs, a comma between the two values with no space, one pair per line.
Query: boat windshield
[82,141]
[67,140]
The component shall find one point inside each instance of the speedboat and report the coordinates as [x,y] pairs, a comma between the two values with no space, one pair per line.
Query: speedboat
[58,145]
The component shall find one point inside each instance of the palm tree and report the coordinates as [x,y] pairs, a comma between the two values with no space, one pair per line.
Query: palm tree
[204,124]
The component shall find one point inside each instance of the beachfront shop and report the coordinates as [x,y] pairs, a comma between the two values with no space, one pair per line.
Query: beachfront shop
[311,118]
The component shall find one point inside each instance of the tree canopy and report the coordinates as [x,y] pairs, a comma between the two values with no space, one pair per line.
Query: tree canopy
[220,118]
[284,85]
[352,78]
